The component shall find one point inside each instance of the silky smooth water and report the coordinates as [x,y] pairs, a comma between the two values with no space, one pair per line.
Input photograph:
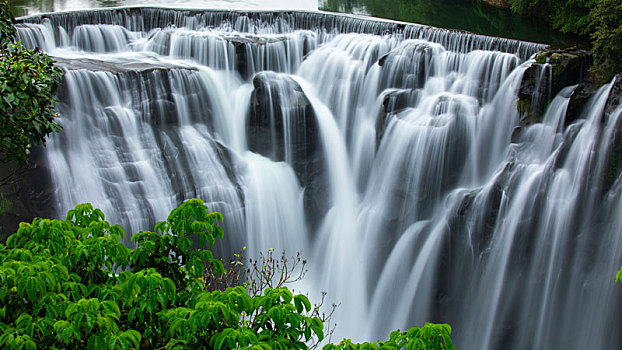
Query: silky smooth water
[384,152]
[29,7]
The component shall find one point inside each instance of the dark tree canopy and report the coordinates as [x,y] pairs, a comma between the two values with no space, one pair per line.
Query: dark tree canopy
[601,19]
[608,38]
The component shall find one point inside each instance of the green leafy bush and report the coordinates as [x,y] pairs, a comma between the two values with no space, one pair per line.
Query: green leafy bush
[431,336]
[28,83]
[569,16]
[72,284]
[607,39]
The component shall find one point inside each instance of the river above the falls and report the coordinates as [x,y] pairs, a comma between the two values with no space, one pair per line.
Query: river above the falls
[472,16]
[29,7]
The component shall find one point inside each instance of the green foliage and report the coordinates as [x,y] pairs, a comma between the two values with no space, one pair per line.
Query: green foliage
[28,83]
[608,39]
[7,28]
[539,8]
[601,19]
[569,16]
[574,16]
[431,336]
[72,284]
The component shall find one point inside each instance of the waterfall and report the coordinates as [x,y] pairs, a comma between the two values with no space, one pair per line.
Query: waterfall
[388,153]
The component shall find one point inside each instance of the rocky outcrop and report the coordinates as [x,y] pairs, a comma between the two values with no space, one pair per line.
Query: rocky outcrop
[613,166]
[569,67]
[248,49]
[407,66]
[276,102]
[31,196]
[578,100]
[403,71]
[282,126]
[552,71]
[393,102]
[615,96]
[116,66]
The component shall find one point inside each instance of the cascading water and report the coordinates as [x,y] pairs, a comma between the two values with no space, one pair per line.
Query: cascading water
[383,151]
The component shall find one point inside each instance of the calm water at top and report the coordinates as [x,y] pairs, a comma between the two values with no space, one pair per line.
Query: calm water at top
[469,15]
[23,7]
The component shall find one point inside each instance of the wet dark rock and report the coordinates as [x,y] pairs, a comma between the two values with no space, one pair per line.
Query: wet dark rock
[275,98]
[579,99]
[615,96]
[552,71]
[242,46]
[585,91]
[570,135]
[95,65]
[276,103]
[394,102]
[398,100]
[481,209]
[569,67]
[229,163]
[32,196]
[534,94]
[613,165]
[406,66]
[516,134]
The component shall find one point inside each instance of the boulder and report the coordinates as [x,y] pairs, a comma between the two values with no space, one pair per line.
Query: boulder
[244,44]
[569,66]
[407,66]
[31,196]
[282,126]
[394,101]
[276,102]
[579,99]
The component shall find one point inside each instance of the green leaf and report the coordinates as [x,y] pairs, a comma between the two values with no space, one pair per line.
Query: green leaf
[32,285]
[9,98]
[300,301]
[132,336]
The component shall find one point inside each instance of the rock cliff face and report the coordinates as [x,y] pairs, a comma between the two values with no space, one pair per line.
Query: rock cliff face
[614,162]
[29,198]
[552,71]
[282,126]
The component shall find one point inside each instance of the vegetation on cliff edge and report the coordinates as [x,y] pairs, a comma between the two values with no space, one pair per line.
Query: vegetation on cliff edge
[600,19]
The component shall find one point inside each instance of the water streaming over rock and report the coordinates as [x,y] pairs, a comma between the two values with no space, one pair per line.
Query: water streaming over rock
[387,153]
